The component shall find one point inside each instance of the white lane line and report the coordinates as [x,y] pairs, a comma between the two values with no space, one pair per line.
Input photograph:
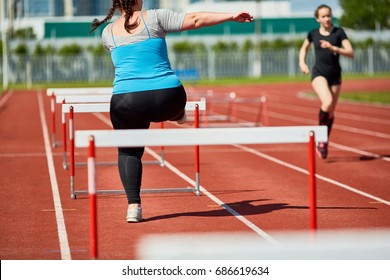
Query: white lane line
[6,97]
[23,155]
[336,126]
[299,120]
[216,200]
[345,128]
[304,171]
[62,234]
[236,214]
[362,131]
[203,190]
[299,169]
[357,151]
[340,115]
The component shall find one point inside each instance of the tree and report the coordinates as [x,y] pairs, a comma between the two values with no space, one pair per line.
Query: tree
[24,34]
[365,14]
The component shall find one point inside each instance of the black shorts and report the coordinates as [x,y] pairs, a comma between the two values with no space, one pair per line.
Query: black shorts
[333,79]
[136,110]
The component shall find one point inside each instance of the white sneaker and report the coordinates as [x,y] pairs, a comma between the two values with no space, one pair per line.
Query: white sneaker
[134,214]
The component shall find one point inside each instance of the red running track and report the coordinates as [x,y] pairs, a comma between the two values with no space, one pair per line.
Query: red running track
[264,186]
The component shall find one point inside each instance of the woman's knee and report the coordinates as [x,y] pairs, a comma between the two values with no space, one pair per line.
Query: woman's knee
[320,86]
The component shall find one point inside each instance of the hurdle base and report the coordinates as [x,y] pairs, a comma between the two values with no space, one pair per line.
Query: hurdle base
[113,163]
[171,190]
[162,190]
[73,193]
[56,144]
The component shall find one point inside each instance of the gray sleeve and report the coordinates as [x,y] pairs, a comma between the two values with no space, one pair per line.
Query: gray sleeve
[169,20]
[107,39]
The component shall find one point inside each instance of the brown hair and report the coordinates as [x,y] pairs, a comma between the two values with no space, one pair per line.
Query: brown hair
[121,5]
[321,7]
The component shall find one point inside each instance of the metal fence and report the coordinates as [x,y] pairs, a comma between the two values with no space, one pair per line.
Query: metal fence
[211,65]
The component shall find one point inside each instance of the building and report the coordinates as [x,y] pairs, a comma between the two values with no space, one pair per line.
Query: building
[72,18]
[69,19]
[63,8]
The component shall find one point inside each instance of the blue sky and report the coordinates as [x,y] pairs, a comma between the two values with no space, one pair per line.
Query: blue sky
[311,5]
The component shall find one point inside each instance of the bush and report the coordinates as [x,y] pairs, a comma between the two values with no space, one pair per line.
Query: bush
[70,50]
[98,50]
[39,50]
[222,46]
[21,50]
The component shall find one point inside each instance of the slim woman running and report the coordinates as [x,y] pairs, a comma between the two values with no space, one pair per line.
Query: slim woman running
[145,88]
[329,43]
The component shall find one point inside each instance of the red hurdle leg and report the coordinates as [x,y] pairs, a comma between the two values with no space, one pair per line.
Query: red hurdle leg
[53,120]
[92,198]
[63,120]
[197,165]
[71,152]
[312,184]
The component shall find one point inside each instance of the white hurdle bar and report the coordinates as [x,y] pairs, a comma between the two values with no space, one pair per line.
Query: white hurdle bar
[73,99]
[77,91]
[80,107]
[195,106]
[53,92]
[85,98]
[92,139]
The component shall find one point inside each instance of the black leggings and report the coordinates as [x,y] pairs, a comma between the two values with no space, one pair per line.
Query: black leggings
[136,110]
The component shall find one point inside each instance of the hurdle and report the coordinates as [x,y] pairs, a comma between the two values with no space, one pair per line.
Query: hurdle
[71,109]
[213,99]
[72,99]
[53,92]
[230,118]
[93,139]
[64,99]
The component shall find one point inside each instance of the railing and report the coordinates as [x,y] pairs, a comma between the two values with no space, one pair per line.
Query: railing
[210,65]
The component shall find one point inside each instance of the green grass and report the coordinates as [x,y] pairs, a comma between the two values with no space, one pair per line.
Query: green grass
[379,97]
[382,97]
[373,97]
[280,79]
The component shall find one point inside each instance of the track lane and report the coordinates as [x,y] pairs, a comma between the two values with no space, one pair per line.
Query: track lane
[268,195]
[29,229]
[244,202]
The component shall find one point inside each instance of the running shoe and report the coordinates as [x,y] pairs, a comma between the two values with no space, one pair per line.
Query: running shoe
[322,150]
[134,214]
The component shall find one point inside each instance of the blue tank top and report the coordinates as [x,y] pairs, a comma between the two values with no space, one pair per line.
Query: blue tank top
[143,66]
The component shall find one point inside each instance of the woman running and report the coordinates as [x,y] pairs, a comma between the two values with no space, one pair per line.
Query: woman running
[329,43]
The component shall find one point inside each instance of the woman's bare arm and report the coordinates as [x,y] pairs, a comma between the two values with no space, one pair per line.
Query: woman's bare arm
[201,19]
[302,57]
[346,50]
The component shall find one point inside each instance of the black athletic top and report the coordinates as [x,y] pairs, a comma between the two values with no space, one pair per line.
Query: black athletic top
[326,62]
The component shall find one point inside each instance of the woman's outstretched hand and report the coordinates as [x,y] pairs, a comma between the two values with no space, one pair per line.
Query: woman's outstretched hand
[243,17]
